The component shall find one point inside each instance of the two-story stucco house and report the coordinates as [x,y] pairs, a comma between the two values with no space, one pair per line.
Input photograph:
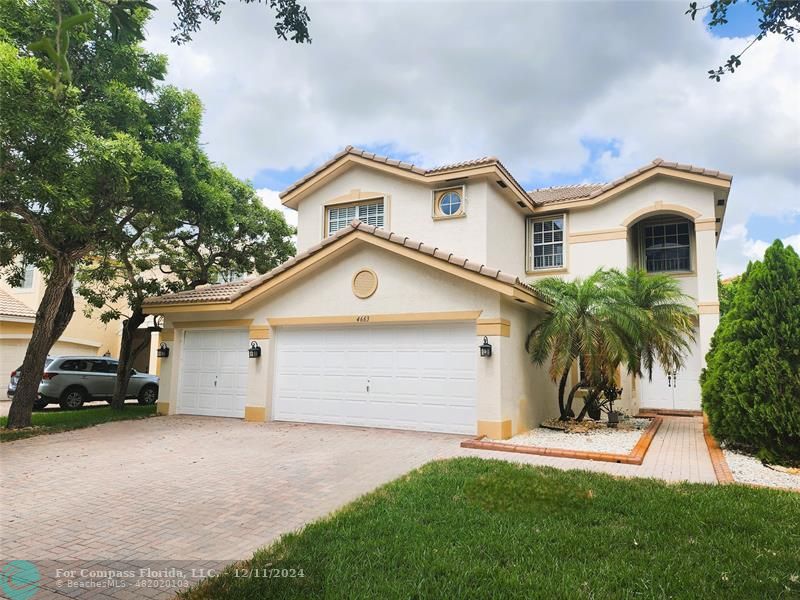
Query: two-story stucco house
[401,274]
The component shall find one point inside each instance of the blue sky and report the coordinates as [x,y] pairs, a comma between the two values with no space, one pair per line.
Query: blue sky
[742,21]
[279,179]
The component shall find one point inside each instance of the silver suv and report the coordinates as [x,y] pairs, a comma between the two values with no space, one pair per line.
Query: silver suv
[72,380]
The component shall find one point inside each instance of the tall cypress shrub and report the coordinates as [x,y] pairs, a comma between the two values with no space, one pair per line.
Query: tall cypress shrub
[751,385]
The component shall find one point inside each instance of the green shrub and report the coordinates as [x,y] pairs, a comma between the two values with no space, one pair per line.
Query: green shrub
[751,386]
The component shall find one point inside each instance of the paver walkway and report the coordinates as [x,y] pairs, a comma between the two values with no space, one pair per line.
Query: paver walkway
[194,492]
[678,452]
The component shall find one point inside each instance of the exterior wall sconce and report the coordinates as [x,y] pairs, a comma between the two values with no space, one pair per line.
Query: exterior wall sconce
[163,350]
[255,350]
[486,348]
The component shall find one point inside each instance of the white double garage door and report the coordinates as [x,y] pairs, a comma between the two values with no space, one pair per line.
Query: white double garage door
[420,377]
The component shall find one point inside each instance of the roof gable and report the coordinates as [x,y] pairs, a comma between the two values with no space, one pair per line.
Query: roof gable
[234,295]
[486,166]
[577,195]
[594,193]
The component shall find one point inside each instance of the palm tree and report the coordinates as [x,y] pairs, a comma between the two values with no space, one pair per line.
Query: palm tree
[587,321]
[608,319]
[668,324]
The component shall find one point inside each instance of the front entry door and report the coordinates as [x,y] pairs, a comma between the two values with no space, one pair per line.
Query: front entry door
[676,390]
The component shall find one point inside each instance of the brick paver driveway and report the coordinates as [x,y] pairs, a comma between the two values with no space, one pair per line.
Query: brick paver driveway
[200,492]
[203,490]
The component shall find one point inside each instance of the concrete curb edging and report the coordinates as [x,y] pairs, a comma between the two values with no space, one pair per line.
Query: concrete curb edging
[636,457]
[721,468]
[663,412]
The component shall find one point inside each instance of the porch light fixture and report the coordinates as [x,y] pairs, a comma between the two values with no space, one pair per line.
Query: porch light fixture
[486,348]
[163,350]
[254,351]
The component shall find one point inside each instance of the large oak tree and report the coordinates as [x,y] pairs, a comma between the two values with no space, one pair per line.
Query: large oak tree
[100,165]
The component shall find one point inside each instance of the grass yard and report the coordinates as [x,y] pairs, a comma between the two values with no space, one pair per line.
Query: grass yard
[471,528]
[55,421]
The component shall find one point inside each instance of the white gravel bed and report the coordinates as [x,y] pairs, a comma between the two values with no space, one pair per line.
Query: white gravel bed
[748,469]
[614,441]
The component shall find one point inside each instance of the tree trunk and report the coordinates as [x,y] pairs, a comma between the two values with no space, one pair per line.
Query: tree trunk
[562,385]
[571,397]
[127,355]
[52,317]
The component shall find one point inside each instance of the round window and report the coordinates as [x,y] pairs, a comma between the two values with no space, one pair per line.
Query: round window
[450,203]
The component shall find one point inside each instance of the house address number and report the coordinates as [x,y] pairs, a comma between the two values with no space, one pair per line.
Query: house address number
[362,319]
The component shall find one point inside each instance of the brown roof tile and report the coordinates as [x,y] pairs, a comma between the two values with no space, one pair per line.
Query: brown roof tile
[563,192]
[591,190]
[228,292]
[11,307]
[457,166]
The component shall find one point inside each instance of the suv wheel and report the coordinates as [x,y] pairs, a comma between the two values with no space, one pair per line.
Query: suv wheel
[72,398]
[148,394]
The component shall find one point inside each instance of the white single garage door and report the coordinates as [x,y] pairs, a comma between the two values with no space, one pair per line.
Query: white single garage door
[214,373]
[406,377]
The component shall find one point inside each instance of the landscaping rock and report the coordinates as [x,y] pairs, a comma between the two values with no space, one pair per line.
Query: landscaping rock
[749,469]
[587,436]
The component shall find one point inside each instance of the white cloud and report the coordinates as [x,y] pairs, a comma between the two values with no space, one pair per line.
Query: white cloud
[271,200]
[793,241]
[527,82]
[737,248]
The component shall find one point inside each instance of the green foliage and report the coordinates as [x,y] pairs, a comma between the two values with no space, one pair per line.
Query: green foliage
[63,186]
[777,17]
[57,47]
[109,173]
[224,229]
[610,318]
[291,18]
[726,290]
[751,385]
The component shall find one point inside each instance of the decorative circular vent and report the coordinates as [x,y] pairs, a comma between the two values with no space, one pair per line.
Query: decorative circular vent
[365,282]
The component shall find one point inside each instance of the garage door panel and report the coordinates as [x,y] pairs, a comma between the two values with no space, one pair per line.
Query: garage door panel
[214,373]
[419,377]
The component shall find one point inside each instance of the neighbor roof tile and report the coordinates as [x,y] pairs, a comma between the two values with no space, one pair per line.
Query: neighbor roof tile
[11,307]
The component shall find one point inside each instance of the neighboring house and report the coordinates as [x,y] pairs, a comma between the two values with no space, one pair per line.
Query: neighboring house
[374,328]
[83,336]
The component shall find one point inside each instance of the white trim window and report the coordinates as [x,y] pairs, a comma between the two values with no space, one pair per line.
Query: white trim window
[547,243]
[448,203]
[339,217]
[27,281]
[666,247]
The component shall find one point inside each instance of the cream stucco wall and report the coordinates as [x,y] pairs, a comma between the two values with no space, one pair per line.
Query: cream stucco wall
[83,335]
[405,287]
[527,392]
[491,230]
[605,235]
[505,233]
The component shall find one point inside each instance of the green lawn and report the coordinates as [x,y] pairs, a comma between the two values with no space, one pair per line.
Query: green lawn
[54,421]
[471,528]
